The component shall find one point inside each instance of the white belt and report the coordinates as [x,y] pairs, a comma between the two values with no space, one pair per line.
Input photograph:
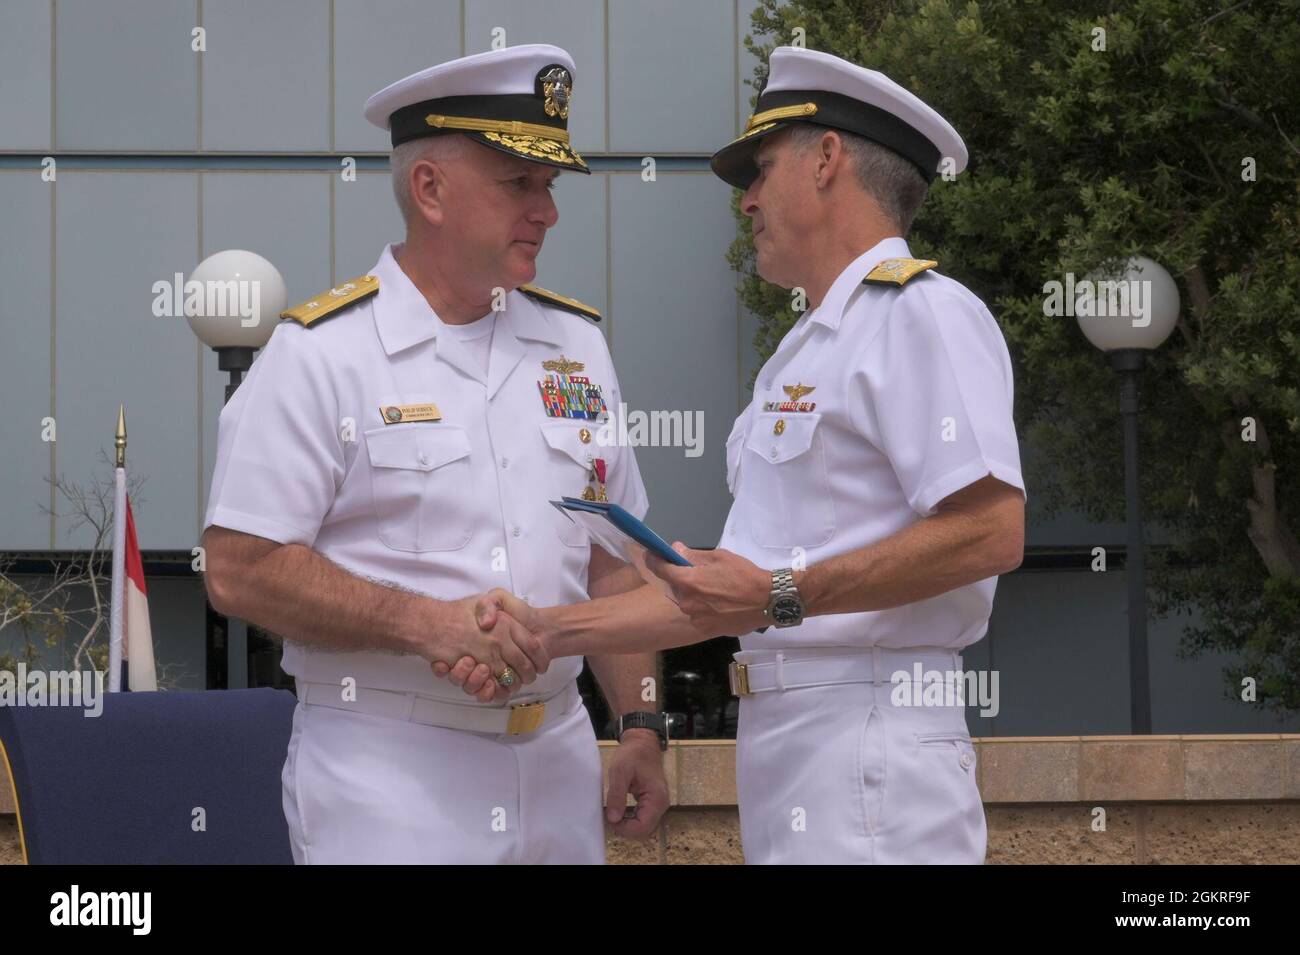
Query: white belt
[764,671]
[523,717]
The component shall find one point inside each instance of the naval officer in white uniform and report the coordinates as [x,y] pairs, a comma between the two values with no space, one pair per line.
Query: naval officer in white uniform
[877,486]
[391,457]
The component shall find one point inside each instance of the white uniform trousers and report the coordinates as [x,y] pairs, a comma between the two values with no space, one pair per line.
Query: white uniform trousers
[362,789]
[840,774]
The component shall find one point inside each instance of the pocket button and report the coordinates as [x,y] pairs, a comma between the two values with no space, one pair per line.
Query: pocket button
[966,760]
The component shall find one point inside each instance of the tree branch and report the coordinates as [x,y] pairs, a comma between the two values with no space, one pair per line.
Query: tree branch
[1272,539]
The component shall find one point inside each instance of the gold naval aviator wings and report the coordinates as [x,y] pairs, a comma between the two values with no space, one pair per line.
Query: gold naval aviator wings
[556,300]
[332,301]
[898,271]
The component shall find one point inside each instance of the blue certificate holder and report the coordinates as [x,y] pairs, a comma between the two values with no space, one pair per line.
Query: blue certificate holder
[621,534]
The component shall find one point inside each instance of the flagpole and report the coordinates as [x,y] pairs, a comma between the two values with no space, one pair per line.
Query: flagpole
[119,557]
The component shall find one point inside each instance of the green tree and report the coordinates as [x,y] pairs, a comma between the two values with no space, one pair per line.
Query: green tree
[1179,140]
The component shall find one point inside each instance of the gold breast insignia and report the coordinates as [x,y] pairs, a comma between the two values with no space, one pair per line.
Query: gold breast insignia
[563,366]
[794,405]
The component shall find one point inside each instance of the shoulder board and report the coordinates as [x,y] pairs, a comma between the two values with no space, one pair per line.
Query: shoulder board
[560,301]
[898,271]
[335,300]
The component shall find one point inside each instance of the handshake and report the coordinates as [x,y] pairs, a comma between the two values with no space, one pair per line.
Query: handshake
[489,645]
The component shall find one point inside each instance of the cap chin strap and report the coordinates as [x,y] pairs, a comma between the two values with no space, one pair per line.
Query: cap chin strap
[801,111]
[511,126]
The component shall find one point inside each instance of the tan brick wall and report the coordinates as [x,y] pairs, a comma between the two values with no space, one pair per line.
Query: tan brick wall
[1207,799]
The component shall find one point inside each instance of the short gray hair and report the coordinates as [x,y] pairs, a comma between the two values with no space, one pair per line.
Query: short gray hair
[897,186]
[405,156]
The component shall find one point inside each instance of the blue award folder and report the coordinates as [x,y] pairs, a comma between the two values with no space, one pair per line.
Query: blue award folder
[616,530]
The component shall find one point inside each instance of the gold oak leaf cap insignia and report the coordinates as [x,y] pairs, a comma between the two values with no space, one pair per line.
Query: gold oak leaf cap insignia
[898,271]
[798,391]
[333,301]
[556,300]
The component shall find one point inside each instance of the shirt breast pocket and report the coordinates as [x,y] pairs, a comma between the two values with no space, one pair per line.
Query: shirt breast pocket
[786,485]
[569,463]
[417,473]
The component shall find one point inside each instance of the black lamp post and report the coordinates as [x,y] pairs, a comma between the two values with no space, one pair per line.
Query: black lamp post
[240,297]
[1134,320]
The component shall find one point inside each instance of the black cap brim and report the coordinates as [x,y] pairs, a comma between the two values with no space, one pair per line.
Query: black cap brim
[734,162]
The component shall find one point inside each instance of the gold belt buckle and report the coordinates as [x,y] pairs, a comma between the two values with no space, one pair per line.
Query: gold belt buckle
[738,674]
[525,717]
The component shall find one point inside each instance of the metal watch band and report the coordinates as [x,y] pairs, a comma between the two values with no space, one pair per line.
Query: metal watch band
[783,582]
[783,586]
[642,719]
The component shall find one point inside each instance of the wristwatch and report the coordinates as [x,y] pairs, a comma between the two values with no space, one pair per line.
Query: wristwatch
[785,608]
[644,720]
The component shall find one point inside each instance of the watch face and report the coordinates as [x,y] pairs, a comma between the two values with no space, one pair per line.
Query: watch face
[787,610]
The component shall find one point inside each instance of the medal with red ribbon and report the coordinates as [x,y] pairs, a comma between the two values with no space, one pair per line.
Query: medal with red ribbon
[598,472]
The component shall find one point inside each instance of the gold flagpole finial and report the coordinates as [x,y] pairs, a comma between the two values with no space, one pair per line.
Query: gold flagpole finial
[119,440]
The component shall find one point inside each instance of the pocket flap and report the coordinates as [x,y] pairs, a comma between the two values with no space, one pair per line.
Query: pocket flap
[418,447]
[567,439]
[796,435]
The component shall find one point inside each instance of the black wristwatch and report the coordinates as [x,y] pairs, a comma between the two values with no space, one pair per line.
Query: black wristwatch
[644,720]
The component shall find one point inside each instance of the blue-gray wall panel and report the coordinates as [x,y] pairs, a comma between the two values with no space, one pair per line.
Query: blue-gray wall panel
[377,42]
[573,260]
[266,82]
[117,234]
[25,30]
[126,77]
[674,336]
[673,85]
[365,220]
[24,358]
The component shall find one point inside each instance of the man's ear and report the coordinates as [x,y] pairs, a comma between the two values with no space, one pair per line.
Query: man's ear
[429,190]
[830,157]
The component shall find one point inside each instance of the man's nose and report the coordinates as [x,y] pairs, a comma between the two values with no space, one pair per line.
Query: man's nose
[545,211]
[749,201]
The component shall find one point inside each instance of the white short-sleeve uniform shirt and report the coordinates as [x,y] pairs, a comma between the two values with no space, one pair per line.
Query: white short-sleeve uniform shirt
[447,508]
[910,401]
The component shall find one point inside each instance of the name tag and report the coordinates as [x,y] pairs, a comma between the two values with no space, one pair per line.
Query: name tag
[400,414]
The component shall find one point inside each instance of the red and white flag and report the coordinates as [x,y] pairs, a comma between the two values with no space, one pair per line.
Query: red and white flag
[130,636]
[138,642]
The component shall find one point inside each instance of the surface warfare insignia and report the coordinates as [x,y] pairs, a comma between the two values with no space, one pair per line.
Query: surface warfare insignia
[898,271]
[571,396]
[563,365]
[557,89]
[794,405]
[333,301]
